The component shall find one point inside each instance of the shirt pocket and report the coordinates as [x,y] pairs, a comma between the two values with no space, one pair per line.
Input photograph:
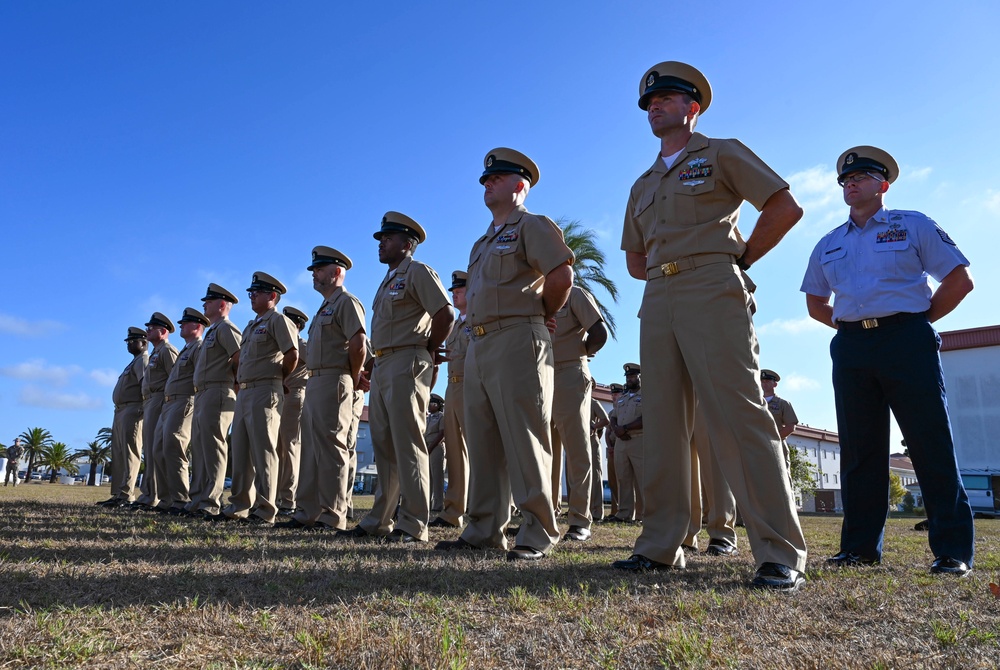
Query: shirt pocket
[502,261]
[644,212]
[834,265]
[889,257]
[693,198]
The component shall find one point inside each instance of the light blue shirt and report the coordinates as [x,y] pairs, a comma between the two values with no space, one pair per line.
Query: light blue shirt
[881,269]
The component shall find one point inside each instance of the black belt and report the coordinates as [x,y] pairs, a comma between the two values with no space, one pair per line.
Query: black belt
[869,324]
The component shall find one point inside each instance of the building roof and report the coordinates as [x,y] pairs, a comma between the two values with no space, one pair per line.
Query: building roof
[970,338]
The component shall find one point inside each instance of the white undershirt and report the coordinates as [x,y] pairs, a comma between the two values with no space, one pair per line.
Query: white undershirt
[670,160]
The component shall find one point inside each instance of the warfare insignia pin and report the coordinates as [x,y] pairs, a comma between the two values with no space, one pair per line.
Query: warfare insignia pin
[697,162]
[508,237]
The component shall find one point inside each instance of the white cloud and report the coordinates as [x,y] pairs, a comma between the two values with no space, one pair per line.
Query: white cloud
[797,382]
[36,397]
[15,325]
[104,377]
[992,201]
[819,195]
[38,370]
[805,324]
[918,174]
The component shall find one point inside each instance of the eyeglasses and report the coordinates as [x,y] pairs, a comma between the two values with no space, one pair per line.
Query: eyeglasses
[858,177]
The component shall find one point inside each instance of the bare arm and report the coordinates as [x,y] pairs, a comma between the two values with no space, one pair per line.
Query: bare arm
[953,289]
[556,288]
[636,264]
[597,337]
[236,369]
[288,363]
[441,324]
[780,213]
[786,430]
[820,309]
[356,356]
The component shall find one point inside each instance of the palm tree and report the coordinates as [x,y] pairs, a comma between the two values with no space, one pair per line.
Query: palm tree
[588,268]
[57,456]
[34,440]
[96,454]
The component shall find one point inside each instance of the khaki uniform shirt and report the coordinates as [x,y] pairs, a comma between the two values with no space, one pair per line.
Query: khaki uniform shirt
[265,341]
[404,305]
[339,318]
[693,207]
[214,362]
[597,411]
[629,408]
[609,435]
[161,362]
[435,428]
[507,267]
[129,386]
[300,375]
[782,411]
[457,345]
[576,317]
[181,379]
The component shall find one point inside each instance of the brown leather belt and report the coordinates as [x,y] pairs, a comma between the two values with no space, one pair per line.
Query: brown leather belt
[687,263]
[869,324]
[175,396]
[273,383]
[506,322]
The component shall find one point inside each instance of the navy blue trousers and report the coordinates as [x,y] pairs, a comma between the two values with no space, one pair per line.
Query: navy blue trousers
[896,367]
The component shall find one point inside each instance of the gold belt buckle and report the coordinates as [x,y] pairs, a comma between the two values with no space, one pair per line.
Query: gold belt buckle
[244,385]
[378,353]
[669,268]
[869,323]
[479,331]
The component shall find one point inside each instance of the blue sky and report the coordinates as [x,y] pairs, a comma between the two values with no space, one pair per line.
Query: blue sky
[147,149]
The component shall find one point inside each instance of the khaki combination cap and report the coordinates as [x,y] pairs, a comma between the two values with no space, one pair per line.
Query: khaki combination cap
[507,161]
[135,333]
[867,159]
[161,321]
[631,369]
[264,282]
[328,255]
[394,222]
[216,292]
[616,388]
[438,399]
[770,374]
[458,279]
[295,314]
[193,315]
[675,76]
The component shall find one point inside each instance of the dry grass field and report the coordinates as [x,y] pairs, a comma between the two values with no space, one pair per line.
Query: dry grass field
[84,587]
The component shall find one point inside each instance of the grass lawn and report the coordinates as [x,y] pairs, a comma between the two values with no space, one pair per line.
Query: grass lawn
[85,587]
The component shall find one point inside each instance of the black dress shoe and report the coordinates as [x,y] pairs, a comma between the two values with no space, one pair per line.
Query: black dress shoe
[291,523]
[639,563]
[216,518]
[441,523]
[577,534]
[923,525]
[354,533]
[286,511]
[254,520]
[777,577]
[107,503]
[511,531]
[848,559]
[524,553]
[399,535]
[615,519]
[688,549]
[720,549]
[946,565]
[455,545]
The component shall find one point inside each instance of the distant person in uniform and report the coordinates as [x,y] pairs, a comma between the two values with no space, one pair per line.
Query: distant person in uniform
[610,440]
[627,425]
[411,317]
[580,333]
[13,453]
[434,437]
[154,380]
[885,358]
[214,403]
[598,422]
[456,451]
[126,427]
[268,356]
[335,358]
[290,430]
[697,337]
[174,430]
[520,274]
[781,410]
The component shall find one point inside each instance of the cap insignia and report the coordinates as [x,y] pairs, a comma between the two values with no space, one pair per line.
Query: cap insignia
[850,158]
[489,161]
[651,79]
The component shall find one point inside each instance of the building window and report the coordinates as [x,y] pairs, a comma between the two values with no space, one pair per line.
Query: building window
[833,455]
[826,477]
[835,479]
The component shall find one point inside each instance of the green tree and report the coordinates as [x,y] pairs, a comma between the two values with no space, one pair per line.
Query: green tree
[56,456]
[802,471]
[588,268]
[96,454]
[909,503]
[34,440]
[896,490]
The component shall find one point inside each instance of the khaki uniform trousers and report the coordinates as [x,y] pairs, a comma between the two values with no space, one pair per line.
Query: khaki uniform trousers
[323,492]
[508,413]
[255,451]
[290,448]
[126,450]
[174,435]
[711,498]
[456,454]
[571,431]
[596,480]
[612,478]
[213,414]
[435,466]
[397,418]
[352,448]
[152,407]
[697,341]
[629,465]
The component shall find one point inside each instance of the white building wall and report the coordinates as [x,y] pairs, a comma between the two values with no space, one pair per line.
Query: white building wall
[972,378]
